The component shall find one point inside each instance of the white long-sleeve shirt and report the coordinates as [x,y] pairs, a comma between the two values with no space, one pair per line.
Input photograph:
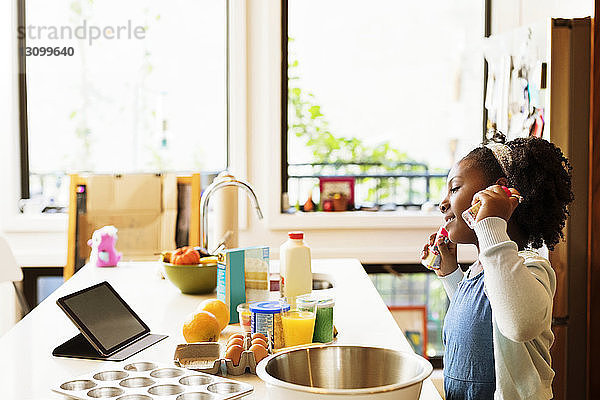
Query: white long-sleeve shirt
[520,286]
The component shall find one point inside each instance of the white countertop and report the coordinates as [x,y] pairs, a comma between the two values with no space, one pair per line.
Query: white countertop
[28,369]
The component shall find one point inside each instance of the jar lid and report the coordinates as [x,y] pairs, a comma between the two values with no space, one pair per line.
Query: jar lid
[326,303]
[268,307]
[323,301]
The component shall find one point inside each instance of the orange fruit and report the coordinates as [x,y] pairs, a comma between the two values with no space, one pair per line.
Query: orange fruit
[218,309]
[201,326]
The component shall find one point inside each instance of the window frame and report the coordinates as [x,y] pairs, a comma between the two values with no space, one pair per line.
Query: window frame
[356,219]
[25,192]
[23,126]
[15,222]
[487,17]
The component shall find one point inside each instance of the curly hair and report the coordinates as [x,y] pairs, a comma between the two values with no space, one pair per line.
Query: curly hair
[542,174]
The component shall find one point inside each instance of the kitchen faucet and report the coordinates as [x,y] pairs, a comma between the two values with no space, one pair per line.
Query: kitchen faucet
[221,181]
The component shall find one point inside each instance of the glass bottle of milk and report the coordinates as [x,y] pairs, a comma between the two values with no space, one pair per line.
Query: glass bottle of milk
[295,271]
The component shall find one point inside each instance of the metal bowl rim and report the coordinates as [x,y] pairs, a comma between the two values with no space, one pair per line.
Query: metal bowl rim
[261,371]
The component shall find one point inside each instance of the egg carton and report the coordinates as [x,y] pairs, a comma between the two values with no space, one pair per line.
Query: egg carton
[145,380]
[209,357]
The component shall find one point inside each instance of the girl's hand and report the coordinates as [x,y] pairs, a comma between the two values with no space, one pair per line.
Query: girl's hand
[448,253]
[495,202]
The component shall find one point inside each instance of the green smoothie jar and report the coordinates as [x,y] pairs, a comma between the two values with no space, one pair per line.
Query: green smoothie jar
[323,332]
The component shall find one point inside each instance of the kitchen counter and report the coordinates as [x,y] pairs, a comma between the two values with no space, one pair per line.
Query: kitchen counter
[28,369]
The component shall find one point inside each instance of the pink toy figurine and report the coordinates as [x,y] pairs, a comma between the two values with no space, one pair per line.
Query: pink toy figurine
[104,253]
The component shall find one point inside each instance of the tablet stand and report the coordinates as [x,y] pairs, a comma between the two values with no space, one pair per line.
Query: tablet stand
[79,347]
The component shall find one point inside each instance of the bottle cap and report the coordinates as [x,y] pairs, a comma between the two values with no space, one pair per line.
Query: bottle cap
[296,235]
[268,307]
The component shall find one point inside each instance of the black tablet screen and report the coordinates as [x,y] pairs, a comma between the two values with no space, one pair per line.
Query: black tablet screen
[105,316]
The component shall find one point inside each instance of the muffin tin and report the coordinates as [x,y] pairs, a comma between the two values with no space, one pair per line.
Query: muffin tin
[209,357]
[144,380]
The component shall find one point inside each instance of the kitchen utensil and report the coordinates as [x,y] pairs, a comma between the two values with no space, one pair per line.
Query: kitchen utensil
[150,380]
[344,372]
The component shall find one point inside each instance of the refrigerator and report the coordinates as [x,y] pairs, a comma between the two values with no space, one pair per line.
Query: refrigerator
[538,84]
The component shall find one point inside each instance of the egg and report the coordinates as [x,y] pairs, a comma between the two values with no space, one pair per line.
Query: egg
[234,353]
[259,335]
[235,340]
[237,335]
[259,352]
[261,342]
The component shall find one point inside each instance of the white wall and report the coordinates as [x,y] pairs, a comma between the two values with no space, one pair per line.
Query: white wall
[7,111]
[509,14]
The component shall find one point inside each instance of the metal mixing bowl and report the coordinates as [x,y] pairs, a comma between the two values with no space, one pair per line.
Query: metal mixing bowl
[344,370]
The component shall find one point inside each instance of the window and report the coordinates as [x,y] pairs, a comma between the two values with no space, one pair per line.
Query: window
[410,289]
[385,93]
[115,86]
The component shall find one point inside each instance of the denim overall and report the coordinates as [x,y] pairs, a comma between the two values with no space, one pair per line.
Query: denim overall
[467,334]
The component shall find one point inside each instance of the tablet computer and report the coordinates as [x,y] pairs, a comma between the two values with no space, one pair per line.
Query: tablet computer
[104,318]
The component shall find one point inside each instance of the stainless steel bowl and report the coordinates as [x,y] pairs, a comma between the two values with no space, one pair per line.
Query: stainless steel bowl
[344,370]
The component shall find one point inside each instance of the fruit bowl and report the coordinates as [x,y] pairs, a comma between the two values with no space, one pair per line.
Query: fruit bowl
[192,279]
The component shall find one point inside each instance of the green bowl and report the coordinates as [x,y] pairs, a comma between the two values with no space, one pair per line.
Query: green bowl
[192,279]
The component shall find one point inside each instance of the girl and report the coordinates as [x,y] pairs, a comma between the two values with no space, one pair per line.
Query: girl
[497,329]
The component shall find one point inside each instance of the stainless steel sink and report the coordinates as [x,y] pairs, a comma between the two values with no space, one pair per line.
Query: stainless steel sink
[319,282]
